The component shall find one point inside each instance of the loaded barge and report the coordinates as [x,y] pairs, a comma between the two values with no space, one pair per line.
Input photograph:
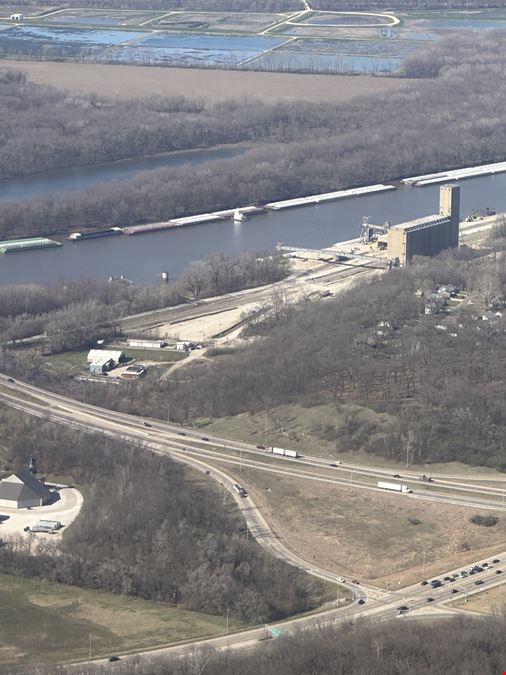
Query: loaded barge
[29,244]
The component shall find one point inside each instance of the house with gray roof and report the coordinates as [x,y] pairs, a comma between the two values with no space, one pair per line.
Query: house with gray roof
[22,489]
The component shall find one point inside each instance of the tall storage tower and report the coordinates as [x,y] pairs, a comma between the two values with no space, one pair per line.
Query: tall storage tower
[449,205]
[428,235]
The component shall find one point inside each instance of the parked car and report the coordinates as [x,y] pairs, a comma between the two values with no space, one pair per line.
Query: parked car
[204,438]
[147,424]
[260,446]
[430,600]
[361,601]
[496,561]
[498,571]
[424,583]
[113,659]
[181,433]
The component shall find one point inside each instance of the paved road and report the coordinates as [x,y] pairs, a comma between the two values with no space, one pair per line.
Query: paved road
[165,438]
[462,490]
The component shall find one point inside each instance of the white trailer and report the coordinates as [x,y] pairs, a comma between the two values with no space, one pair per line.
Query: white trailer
[283,452]
[394,487]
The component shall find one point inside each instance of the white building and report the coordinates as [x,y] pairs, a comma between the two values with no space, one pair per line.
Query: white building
[103,355]
[17,17]
[146,344]
[102,366]
[22,489]
[183,346]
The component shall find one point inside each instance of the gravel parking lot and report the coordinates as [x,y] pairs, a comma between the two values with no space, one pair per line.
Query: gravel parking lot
[65,508]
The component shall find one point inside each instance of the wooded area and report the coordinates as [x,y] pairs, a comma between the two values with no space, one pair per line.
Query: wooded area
[148,528]
[166,5]
[458,646]
[314,147]
[269,5]
[75,314]
[434,383]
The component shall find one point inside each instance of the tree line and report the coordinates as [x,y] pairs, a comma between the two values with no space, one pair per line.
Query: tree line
[456,646]
[166,5]
[362,141]
[75,314]
[148,528]
[270,5]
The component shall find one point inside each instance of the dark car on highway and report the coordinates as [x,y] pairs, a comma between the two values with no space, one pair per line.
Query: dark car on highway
[479,582]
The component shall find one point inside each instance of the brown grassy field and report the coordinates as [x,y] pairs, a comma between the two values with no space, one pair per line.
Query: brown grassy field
[377,538]
[492,601]
[128,81]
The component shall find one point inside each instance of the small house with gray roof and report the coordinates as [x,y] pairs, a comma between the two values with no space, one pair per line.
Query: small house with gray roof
[22,489]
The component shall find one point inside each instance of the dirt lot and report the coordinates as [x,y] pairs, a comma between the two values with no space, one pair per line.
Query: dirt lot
[126,81]
[378,538]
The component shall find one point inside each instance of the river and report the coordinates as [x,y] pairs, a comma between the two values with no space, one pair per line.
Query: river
[142,257]
[83,177]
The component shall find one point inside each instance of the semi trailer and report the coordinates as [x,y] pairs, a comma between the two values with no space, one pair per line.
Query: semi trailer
[394,487]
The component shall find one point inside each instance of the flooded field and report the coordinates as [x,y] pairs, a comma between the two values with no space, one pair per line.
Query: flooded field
[314,42]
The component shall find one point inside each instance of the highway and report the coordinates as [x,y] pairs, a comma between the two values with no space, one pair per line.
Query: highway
[209,454]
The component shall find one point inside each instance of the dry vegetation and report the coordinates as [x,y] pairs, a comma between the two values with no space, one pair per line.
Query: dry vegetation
[492,601]
[127,81]
[371,536]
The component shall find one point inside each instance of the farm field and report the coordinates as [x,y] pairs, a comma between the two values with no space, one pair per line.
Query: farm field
[45,623]
[126,81]
[309,41]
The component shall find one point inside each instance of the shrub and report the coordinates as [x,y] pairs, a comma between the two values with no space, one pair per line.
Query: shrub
[486,521]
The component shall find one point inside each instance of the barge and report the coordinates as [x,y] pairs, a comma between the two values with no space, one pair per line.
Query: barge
[28,244]
[95,234]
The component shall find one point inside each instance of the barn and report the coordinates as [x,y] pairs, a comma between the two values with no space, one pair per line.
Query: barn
[22,489]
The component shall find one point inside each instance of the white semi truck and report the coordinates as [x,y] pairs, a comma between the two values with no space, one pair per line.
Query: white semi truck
[394,487]
[283,452]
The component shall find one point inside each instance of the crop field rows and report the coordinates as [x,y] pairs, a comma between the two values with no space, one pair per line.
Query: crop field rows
[308,41]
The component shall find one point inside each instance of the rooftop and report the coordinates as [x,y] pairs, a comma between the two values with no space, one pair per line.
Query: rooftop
[22,485]
[423,222]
